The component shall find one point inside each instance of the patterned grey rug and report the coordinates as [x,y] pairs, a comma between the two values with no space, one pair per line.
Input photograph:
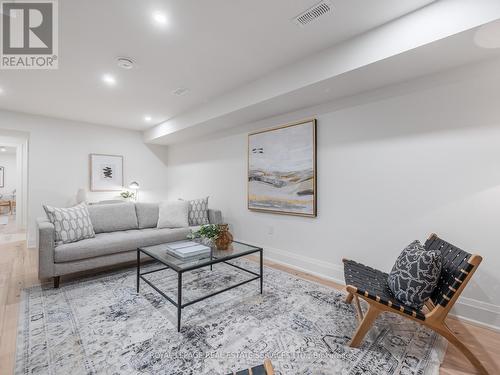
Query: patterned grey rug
[99,325]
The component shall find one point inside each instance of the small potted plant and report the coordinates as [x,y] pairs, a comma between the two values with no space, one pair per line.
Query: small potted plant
[214,234]
[208,233]
[128,195]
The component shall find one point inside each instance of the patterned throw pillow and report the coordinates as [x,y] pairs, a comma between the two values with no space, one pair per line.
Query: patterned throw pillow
[198,212]
[415,275]
[71,224]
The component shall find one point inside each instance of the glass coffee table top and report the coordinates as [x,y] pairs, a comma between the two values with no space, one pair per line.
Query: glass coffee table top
[235,250]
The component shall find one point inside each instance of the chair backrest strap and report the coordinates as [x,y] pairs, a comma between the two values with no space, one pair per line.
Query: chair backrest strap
[455,271]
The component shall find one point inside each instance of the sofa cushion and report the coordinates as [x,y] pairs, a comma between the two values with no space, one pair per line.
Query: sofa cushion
[113,217]
[117,242]
[198,211]
[70,224]
[147,214]
[173,214]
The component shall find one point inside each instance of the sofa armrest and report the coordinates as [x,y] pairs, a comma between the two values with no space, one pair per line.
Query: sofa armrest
[46,246]
[214,216]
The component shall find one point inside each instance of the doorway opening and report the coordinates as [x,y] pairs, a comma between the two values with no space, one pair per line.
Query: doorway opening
[13,185]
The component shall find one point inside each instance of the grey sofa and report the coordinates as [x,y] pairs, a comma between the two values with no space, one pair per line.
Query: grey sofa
[120,229]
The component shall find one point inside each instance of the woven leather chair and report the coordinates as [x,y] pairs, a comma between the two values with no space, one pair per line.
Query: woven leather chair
[265,369]
[371,285]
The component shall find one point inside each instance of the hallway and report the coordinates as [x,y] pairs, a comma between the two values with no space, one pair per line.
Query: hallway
[9,232]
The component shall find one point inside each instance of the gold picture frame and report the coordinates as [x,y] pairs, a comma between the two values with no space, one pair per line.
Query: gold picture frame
[282,169]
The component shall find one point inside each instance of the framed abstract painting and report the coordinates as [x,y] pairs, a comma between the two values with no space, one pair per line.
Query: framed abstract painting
[282,169]
[106,172]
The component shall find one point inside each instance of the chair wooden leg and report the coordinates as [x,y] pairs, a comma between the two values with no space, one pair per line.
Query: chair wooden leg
[348,298]
[268,367]
[359,310]
[444,331]
[365,325]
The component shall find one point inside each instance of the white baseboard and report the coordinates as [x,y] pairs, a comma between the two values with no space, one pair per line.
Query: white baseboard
[316,267]
[470,310]
[477,312]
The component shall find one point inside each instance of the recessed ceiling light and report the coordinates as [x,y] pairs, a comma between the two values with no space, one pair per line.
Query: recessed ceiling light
[109,79]
[160,18]
[147,118]
[488,36]
[3,149]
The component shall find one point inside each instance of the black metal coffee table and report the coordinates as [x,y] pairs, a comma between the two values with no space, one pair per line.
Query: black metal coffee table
[159,253]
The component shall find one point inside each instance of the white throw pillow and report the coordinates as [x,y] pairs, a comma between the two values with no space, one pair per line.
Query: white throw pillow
[173,215]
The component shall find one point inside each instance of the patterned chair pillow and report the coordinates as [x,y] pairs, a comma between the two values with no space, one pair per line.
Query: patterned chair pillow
[71,224]
[415,275]
[198,212]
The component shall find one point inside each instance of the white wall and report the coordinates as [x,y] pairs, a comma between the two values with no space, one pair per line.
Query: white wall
[59,160]
[8,161]
[389,171]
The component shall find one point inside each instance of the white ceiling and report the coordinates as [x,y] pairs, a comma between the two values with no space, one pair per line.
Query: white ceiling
[456,54]
[420,43]
[210,47]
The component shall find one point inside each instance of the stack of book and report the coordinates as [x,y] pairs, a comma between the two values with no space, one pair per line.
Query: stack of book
[187,250]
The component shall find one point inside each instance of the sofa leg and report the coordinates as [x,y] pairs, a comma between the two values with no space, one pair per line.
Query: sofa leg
[56,281]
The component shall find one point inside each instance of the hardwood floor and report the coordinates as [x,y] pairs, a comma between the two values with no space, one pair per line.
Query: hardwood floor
[18,270]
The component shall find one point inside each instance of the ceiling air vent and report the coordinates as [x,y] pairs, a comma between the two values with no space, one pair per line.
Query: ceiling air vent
[313,13]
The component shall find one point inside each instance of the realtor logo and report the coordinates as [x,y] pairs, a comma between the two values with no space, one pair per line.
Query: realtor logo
[29,35]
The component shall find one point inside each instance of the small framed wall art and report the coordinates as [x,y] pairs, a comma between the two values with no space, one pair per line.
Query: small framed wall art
[282,169]
[106,172]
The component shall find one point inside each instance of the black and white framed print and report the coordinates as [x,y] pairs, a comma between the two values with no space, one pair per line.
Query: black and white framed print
[106,172]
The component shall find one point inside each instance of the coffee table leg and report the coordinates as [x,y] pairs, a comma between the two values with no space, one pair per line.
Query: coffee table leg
[261,273]
[179,301]
[138,268]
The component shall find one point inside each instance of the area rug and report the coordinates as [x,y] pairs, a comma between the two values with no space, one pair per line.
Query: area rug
[100,325]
